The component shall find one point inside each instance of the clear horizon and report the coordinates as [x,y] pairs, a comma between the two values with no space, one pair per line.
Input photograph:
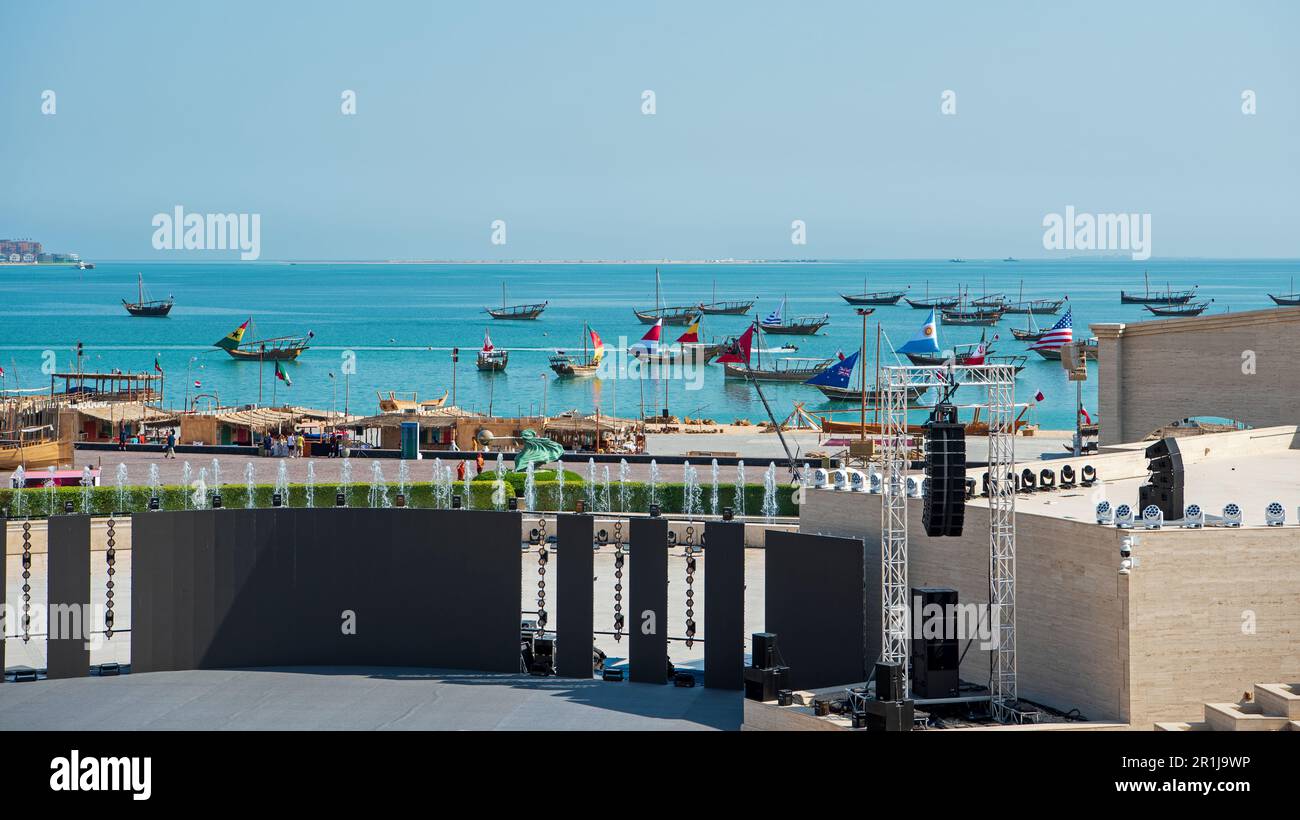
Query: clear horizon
[833,114]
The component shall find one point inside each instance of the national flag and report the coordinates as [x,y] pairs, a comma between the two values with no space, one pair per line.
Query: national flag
[692,334]
[649,343]
[976,357]
[1039,397]
[774,318]
[1083,411]
[487,343]
[839,354]
[2,372]
[282,375]
[157,365]
[197,384]
[837,374]
[738,351]
[1061,333]
[231,340]
[597,345]
[926,339]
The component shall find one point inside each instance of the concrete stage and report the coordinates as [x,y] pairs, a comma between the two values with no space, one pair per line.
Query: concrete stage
[359,698]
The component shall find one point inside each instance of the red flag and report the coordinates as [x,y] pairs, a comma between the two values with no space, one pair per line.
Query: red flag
[692,334]
[1039,396]
[739,352]
[1083,411]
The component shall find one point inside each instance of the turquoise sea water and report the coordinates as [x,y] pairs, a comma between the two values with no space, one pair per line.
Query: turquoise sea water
[402,320]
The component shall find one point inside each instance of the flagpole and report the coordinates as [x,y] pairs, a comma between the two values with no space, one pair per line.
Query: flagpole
[749,372]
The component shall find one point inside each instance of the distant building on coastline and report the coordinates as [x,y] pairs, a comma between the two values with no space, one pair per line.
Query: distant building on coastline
[29,251]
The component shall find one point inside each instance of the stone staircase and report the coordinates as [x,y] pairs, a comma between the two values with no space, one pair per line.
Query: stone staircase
[1274,707]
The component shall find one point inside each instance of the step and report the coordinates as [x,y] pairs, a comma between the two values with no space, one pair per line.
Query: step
[1278,699]
[1235,717]
[1183,727]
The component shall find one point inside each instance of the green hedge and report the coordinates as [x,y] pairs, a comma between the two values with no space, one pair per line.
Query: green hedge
[422,494]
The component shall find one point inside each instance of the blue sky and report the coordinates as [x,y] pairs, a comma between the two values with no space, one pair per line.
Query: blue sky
[766,112]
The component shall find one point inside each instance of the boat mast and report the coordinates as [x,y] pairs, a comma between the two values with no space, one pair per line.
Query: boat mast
[139,277]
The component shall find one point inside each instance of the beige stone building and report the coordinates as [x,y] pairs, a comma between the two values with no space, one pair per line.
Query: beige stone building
[1240,366]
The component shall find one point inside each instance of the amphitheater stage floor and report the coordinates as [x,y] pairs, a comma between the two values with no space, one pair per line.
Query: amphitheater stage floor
[356,698]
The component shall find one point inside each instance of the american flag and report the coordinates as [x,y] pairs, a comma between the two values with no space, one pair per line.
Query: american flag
[1061,333]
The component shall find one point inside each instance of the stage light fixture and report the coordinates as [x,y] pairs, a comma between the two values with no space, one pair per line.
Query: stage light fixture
[1067,476]
[925,487]
[839,479]
[615,675]
[1046,480]
[1275,514]
[1231,515]
[67,507]
[655,511]
[1028,481]
[672,538]
[684,680]
[216,501]
[512,503]
[728,513]
[970,488]
[857,481]
[1152,517]
[534,536]
[277,500]
[340,500]
[874,483]
[401,500]
[1088,475]
[153,503]
[579,506]
[984,484]
[821,477]
[602,537]
[913,487]
[1193,517]
[1104,513]
[1124,516]
[455,502]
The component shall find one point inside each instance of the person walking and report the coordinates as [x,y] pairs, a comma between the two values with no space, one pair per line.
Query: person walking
[478,464]
[170,452]
[121,437]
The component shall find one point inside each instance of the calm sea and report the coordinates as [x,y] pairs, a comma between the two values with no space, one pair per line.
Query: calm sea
[401,321]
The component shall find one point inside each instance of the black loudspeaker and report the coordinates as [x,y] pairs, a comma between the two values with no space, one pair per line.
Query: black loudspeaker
[889,681]
[764,684]
[935,660]
[763,646]
[1164,487]
[943,511]
[890,716]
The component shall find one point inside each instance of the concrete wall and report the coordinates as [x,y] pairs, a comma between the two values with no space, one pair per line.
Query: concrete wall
[1154,373]
[1154,645]
[1211,613]
[1070,611]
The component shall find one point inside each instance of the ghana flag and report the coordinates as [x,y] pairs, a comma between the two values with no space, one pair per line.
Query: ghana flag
[232,339]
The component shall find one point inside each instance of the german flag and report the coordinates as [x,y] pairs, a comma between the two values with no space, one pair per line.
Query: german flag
[232,339]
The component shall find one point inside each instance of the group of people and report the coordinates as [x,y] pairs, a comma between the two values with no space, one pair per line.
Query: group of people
[290,445]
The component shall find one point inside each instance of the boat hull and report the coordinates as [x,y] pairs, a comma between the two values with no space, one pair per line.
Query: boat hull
[1027,335]
[30,456]
[975,320]
[493,364]
[1286,301]
[1089,354]
[649,317]
[1048,309]
[1177,311]
[517,312]
[873,298]
[1155,299]
[794,330]
[856,396]
[149,311]
[726,309]
[274,354]
[801,374]
[928,304]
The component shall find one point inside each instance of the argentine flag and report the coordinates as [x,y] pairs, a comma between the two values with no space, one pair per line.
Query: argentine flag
[926,339]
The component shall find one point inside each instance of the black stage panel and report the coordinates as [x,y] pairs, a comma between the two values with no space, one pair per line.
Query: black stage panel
[724,605]
[69,619]
[574,596]
[814,604]
[648,601]
[231,588]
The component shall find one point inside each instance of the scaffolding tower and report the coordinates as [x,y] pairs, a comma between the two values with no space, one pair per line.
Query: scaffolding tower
[999,382]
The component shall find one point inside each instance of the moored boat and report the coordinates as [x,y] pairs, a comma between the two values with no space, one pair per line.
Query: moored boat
[879,297]
[734,307]
[977,318]
[392,404]
[279,348]
[790,369]
[520,312]
[1043,307]
[1089,349]
[565,365]
[147,307]
[1168,297]
[491,358]
[1187,309]
[799,326]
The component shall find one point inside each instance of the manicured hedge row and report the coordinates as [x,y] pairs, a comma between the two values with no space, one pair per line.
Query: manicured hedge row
[669,496]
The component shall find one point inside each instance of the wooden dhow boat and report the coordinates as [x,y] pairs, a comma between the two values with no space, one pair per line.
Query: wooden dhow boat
[491,358]
[1168,297]
[147,307]
[1287,299]
[937,303]
[565,365]
[280,348]
[1089,349]
[734,307]
[980,317]
[521,312]
[1187,309]
[392,404]
[674,315]
[789,369]
[879,297]
[1043,307]
[799,326]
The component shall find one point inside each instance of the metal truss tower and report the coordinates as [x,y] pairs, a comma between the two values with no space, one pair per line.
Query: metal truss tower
[999,382]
